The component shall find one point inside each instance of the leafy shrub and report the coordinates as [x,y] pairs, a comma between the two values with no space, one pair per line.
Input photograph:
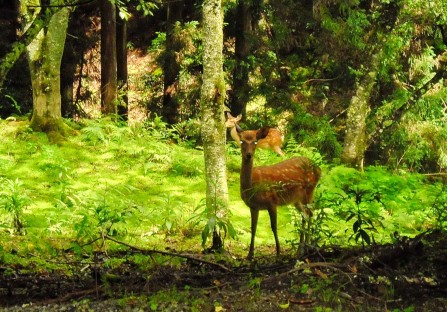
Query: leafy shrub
[439,208]
[171,216]
[371,203]
[103,214]
[217,222]
[13,199]
[417,146]
[315,132]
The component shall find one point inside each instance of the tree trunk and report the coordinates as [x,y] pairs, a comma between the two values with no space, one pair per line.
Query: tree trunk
[108,58]
[241,89]
[31,30]
[121,71]
[171,67]
[355,142]
[68,69]
[44,57]
[212,109]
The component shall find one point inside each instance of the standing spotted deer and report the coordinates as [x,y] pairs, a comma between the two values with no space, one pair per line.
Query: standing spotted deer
[273,140]
[291,181]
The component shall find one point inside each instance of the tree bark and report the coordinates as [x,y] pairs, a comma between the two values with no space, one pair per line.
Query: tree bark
[44,57]
[212,112]
[241,89]
[108,58]
[171,67]
[355,142]
[121,71]
[31,30]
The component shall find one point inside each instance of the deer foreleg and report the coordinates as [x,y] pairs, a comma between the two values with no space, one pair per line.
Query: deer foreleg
[254,223]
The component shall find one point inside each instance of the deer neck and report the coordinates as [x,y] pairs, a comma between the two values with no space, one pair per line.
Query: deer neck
[246,174]
[234,135]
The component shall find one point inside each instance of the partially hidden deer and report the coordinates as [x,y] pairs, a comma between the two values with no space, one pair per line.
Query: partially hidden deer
[291,181]
[273,140]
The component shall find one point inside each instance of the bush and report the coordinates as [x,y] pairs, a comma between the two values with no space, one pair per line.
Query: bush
[315,132]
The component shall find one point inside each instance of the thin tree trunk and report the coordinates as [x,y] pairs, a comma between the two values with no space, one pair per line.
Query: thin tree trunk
[212,109]
[241,89]
[171,67]
[108,58]
[122,73]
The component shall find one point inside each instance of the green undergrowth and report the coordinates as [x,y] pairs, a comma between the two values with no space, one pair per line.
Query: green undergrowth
[146,189]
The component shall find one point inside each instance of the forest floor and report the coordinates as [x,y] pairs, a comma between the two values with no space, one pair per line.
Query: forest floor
[409,275]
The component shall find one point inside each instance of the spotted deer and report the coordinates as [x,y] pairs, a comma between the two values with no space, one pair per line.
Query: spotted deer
[291,181]
[273,140]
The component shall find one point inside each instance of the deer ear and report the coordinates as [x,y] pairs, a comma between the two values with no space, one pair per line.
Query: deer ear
[262,133]
[238,128]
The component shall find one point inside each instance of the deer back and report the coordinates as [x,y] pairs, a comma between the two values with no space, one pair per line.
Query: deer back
[290,181]
[273,139]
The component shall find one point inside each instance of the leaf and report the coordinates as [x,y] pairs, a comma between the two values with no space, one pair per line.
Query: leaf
[352,215]
[231,230]
[321,274]
[218,308]
[284,305]
[365,237]
[205,234]
[356,226]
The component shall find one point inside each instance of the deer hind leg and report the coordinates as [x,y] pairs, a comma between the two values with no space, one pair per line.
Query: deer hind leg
[306,223]
[254,223]
[274,225]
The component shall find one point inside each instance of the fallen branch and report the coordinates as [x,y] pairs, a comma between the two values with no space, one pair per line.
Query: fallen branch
[305,266]
[166,253]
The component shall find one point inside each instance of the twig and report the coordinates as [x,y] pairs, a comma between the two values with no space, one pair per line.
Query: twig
[72,295]
[309,266]
[166,253]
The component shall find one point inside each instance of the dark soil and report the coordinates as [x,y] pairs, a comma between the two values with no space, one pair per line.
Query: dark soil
[410,275]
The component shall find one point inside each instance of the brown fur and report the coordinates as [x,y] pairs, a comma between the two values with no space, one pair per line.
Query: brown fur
[291,181]
[272,141]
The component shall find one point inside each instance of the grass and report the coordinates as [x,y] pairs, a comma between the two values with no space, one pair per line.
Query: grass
[122,181]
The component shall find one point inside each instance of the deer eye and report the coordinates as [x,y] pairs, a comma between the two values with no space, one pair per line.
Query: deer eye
[242,142]
[255,142]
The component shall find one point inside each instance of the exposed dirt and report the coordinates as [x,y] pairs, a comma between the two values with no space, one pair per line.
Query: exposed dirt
[409,273]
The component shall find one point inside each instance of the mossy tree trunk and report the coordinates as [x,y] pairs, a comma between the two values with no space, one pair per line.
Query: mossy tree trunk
[212,113]
[44,57]
[355,142]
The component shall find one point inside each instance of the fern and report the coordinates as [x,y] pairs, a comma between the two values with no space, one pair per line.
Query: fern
[93,134]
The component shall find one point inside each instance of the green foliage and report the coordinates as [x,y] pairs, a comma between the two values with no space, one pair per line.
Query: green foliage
[171,216]
[185,54]
[15,105]
[439,208]
[181,299]
[83,191]
[316,133]
[216,221]
[147,7]
[373,203]
[188,132]
[365,218]
[104,214]
[320,231]
[14,199]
